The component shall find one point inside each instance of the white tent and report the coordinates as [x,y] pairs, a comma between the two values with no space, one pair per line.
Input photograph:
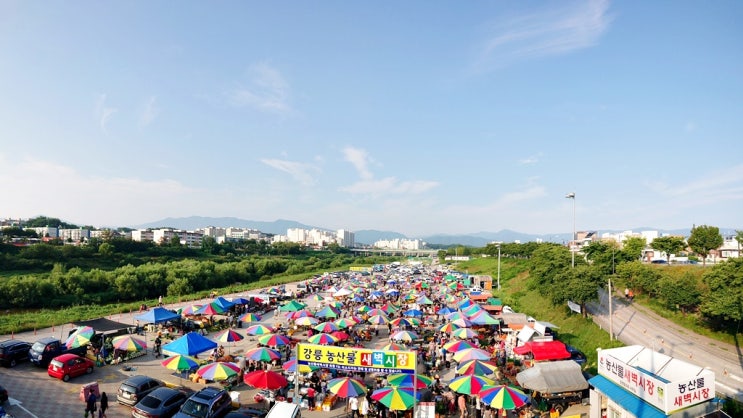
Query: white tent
[553,377]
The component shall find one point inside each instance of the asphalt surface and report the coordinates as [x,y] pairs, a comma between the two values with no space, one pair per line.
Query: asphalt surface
[633,324]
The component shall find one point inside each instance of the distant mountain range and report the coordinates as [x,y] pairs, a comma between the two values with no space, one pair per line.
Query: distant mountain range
[370,236]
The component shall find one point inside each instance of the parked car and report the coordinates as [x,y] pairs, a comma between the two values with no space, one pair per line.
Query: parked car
[135,388]
[3,395]
[247,413]
[207,403]
[576,355]
[13,351]
[48,348]
[68,365]
[162,402]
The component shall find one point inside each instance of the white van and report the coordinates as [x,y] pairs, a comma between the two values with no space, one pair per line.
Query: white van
[284,410]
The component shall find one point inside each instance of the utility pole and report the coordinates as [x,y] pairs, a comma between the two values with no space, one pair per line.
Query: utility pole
[611,316]
[571,195]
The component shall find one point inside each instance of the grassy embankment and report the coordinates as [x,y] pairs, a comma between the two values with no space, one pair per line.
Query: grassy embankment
[574,330]
[31,320]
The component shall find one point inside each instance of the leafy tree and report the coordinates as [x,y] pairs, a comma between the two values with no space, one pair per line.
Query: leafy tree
[668,245]
[548,260]
[602,255]
[739,238]
[725,297]
[632,248]
[704,239]
[579,285]
[638,276]
[680,292]
[209,245]
[41,221]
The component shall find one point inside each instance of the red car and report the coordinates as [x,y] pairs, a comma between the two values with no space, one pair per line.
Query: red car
[69,365]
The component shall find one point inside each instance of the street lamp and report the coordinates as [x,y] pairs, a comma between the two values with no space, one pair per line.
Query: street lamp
[572,251]
[498,245]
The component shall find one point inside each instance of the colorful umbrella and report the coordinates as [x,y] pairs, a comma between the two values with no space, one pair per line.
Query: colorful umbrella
[503,397]
[291,366]
[190,309]
[306,321]
[326,327]
[262,354]
[180,362]
[340,335]
[395,398]
[211,308]
[345,323]
[227,336]
[478,367]
[403,322]
[250,317]
[413,312]
[316,298]
[327,312]
[265,379]
[258,330]
[394,347]
[404,336]
[483,318]
[379,320]
[408,380]
[299,314]
[218,371]
[274,340]
[80,337]
[291,306]
[346,387]
[464,333]
[322,339]
[469,384]
[128,343]
[448,327]
[471,354]
[462,322]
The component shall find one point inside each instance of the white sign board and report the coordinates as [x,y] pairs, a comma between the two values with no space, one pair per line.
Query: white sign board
[425,410]
[663,394]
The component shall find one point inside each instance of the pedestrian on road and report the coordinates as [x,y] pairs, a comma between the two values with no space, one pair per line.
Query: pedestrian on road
[90,404]
[104,405]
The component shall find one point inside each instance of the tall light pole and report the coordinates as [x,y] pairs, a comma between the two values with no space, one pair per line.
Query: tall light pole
[572,251]
[498,245]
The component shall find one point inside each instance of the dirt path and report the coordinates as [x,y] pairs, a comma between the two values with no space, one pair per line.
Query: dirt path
[634,324]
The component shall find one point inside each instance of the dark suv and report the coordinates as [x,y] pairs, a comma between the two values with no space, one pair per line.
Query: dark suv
[133,389]
[207,403]
[13,351]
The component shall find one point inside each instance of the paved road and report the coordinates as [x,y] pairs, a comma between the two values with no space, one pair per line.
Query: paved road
[634,324]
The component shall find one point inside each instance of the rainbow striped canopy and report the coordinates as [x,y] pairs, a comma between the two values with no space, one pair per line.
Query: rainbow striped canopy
[503,397]
[346,387]
[218,371]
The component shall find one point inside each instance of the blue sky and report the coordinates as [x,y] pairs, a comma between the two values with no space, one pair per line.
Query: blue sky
[420,117]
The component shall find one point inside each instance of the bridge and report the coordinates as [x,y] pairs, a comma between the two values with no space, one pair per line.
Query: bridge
[392,252]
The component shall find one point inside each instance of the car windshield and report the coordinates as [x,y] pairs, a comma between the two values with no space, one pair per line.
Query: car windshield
[194,409]
[39,347]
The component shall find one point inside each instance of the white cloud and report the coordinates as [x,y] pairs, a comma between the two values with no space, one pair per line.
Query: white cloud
[389,185]
[47,188]
[360,159]
[561,30]
[149,112]
[104,113]
[532,159]
[267,90]
[301,172]
[712,187]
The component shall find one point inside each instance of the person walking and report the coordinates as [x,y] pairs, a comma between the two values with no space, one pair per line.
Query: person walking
[353,403]
[462,403]
[90,404]
[158,343]
[104,405]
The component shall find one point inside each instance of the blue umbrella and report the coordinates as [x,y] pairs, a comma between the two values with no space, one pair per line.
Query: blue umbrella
[445,310]
[190,344]
[413,312]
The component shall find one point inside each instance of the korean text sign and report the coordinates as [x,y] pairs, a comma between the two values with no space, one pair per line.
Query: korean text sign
[356,359]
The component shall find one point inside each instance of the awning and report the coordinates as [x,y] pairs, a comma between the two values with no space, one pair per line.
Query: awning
[544,350]
[553,377]
[103,325]
[628,401]
[525,334]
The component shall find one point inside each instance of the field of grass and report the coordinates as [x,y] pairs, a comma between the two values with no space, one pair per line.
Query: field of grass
[27,321]
[574,330]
